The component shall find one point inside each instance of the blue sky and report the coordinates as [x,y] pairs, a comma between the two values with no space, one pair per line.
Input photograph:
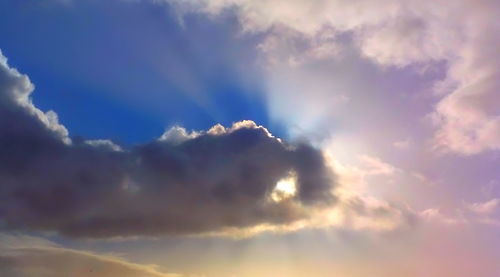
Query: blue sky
[128,71]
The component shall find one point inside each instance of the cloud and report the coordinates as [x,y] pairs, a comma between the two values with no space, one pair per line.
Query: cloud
[435,215]
[485,212]
[26,256]
[355,213]
[485,208]
[464,35]
[358,209]
[363,213]
[469,213]
[375,166]
[402,144]
[182,183]
[223,181]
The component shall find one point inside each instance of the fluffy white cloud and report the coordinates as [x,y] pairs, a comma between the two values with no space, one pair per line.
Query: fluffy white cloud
[464,34]
[16,90]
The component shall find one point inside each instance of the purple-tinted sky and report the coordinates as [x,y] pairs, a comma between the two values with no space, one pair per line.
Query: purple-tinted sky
[249,138]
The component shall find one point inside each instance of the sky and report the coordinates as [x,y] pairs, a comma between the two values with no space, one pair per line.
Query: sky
[244,138]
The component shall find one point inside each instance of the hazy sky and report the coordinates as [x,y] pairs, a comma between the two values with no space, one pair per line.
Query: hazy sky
[245,138]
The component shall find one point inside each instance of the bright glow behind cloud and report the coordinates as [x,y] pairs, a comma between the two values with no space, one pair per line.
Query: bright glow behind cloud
[391,34]
[285,188]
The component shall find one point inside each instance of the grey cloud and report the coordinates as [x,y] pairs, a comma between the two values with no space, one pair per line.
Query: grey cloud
[203,182]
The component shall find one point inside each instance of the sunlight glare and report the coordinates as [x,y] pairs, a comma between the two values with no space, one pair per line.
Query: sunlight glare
[285,188]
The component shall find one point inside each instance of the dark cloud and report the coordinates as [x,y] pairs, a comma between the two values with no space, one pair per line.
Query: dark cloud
[179,184]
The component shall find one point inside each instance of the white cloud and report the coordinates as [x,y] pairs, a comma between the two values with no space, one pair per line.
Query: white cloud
[104,143]
[485,208]
[468,213]
[18,88]
[177,134]
[375,166]
[463,33]
[435,215]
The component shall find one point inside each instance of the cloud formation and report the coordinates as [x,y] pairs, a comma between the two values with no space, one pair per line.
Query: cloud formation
[26,256]
[182,183]
[470,213]
[391,33]
[485,208]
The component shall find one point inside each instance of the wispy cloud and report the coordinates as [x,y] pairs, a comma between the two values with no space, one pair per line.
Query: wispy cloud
[394,34]
[27,256]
